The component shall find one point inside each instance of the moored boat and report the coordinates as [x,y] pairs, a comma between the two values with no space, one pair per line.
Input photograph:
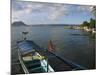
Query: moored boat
[35,59]
[30,60]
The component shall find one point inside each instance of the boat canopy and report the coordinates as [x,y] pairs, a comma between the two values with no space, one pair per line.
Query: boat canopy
[27,46]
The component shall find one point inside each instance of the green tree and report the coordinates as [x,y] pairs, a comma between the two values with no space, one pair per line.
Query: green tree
[94,10]
[92,23]
[85,23]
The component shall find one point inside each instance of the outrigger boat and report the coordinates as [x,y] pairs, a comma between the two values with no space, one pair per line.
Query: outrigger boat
[35,59]
[30,60]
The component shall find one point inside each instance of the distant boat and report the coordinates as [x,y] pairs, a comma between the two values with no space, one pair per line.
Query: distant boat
[32,61]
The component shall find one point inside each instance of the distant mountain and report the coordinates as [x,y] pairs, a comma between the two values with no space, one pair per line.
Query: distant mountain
[18,23]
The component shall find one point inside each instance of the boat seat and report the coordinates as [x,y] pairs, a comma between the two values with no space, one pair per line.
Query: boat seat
[27,58]
[32,61]
[33,66]
[37,70]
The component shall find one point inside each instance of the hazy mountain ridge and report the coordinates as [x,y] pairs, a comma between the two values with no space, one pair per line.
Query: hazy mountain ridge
[18,23]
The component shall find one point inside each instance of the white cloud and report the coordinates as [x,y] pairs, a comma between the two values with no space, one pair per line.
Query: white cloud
[53,11]
[21,10]
[58,11]
[85,8]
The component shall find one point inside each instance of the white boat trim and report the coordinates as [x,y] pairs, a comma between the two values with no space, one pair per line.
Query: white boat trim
[22,63]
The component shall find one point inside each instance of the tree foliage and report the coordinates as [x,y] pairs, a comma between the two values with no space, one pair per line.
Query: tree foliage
[91,24]
[85,23]
[94,10]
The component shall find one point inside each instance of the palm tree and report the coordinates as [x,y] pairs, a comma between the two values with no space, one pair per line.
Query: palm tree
[94,10]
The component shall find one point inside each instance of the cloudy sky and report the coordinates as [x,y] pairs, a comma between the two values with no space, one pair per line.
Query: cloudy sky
[50,13]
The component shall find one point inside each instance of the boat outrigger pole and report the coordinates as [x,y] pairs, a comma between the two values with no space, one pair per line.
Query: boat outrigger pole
[24,35]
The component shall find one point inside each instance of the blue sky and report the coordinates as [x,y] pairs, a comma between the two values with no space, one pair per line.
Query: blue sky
[50,13]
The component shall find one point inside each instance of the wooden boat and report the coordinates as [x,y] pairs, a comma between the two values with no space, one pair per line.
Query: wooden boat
[32,60]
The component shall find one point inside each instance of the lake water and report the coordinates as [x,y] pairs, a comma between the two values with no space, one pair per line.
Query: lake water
[75,45]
